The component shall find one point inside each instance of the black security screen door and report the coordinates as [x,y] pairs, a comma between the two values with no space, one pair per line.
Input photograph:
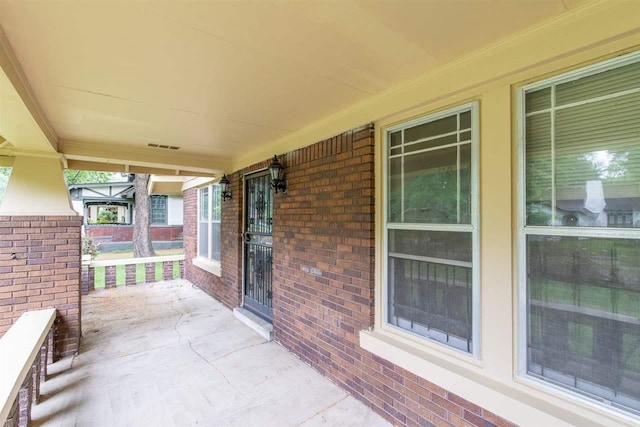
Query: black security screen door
[258,241]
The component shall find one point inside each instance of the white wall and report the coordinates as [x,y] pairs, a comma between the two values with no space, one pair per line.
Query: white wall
[78,206]
[174,210]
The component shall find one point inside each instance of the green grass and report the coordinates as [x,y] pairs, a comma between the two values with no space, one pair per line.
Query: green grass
[176,270]
[158,271]
[99,278]
[121,275]
[140,273]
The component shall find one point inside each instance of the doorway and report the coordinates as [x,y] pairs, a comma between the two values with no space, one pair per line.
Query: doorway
[258,245]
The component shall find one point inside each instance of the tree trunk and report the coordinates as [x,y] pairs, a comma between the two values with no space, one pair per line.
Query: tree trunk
[141,228]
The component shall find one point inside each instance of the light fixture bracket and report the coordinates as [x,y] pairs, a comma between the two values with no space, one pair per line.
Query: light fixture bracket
[276,171]
[225,191]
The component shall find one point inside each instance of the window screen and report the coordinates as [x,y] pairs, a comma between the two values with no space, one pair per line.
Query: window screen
[431,228]
[209,216]
[582,175]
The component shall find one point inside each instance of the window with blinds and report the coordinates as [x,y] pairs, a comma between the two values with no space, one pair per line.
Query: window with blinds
[431,227]
[581,231]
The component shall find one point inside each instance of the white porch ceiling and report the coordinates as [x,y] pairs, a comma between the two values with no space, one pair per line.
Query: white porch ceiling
[219,79]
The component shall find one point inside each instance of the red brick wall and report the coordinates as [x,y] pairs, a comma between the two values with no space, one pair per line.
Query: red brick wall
[324,240]
[228,288]
[124,233]
[323,282]
[40,268]
[206,281]
[231,244]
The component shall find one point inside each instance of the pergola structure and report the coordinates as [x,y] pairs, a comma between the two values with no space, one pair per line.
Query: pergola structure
[210,88]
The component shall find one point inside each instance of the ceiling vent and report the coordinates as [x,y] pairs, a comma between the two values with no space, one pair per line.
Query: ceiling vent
[166,147]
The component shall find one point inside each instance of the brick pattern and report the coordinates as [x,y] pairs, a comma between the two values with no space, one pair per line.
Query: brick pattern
[40,268]
[167,270]
[124,233]
[324,242]
[25,400]
[130,274]
[323,279]
[85,279]
[110,276]
[150,272]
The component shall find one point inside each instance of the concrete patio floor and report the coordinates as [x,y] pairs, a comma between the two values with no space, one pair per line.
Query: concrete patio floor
[167,354]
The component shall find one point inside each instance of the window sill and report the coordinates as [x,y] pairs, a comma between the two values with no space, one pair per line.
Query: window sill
[518,400]
[212,267]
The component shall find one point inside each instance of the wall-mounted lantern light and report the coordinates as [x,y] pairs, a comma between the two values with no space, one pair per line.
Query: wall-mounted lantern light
[225,192]
[277,176]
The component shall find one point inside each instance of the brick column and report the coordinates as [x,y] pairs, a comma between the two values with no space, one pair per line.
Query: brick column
[24,401]
[130,274]
[91,279]
[44,356]
[37,371]
[181,269]
[150,272]
[84,278]
[40,268]
[167,270]
[110,276]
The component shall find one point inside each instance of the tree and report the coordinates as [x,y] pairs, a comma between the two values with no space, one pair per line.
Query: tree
[142,246]
[4,180]
[87,177]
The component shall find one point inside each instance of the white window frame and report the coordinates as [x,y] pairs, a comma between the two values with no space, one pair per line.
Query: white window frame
[207,262]
[473,228]
[554,230]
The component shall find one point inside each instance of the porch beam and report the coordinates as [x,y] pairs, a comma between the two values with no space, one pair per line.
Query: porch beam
[22,124]
[37,187]
[102,156]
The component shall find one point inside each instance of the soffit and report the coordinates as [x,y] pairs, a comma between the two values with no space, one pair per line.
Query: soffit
[169,185]
[221,79]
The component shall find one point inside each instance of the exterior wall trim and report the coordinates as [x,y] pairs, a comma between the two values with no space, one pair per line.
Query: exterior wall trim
[523,402]
[206,265]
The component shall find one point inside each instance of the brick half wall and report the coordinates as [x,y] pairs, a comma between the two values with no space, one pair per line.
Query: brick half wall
[40,268]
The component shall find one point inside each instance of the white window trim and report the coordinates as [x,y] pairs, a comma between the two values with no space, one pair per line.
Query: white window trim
[212,267]
[523,230]
[206,263]
[432,348]
[518,399]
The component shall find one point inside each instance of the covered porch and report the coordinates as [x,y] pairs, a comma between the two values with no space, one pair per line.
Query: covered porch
[425,241]
[165,353]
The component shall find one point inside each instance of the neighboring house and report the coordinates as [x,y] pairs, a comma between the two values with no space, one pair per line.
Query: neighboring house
[91,200]
[586,206]
[108,210]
